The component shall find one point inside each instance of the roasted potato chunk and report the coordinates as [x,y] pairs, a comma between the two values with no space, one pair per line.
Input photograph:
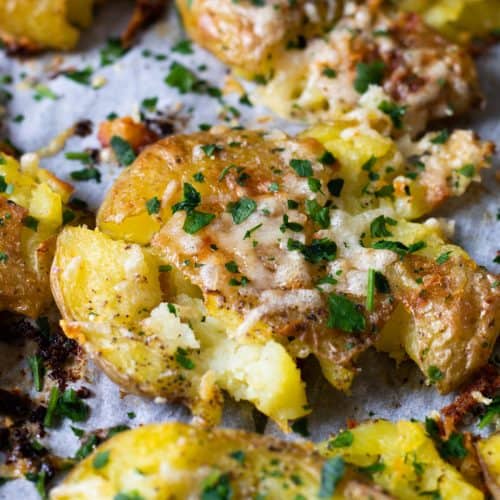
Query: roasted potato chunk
[255,230]
[32,203]
[153,336]
[249,34]
[402,459]
[31,25]
[424,77]
[377,460]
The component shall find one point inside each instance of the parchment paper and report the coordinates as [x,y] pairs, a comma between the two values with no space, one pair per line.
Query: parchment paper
[381,389]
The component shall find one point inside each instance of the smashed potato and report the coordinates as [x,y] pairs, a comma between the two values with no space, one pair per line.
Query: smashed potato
[32,207]
[281,236]
[149,331]
[402,459]
[31,25]
[424,77]
[377,460]
[249,34]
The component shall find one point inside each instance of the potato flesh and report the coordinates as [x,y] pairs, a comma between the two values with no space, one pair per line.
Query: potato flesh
[44,23]
[118,314]
[412,463]
[458,20]
[33,192]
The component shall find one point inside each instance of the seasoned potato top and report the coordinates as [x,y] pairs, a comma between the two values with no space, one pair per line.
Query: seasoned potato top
[292,241]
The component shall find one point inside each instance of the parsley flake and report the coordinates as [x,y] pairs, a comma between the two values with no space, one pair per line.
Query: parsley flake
[344,315]
[368,74]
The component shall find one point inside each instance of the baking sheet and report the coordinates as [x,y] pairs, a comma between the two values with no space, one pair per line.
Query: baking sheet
[381,389]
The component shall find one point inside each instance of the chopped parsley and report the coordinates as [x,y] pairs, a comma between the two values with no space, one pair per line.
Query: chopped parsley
[112,51]
[31,222]
[302,167]
[82,156]
[335,186]
[153,205]
[210,149]
[295,227]
[441,137]
[181,356]
[242,209]
[444,257]
[123,150]
[181,78]
[396,113]
[37,371]
[320,215]
[368,74]
[453,447]
[434,374]
[467,170]
[232,267]
[384,191]
[378,226]
[301,427]
[239,456]
[319,250]
[329,72]
[492,411]
[67,404]
[398,247]
[164,268]
[199,177]
[370,292]
[82,76]
[381,283]
[216,486]
[43,92]
[86,174]
[327,159]
[251,231]
[314,184]
[342,440]
[197,220]
[332,472]
[344,315]
[149,103]
[183,47]
[191,199]
[101,460]
[3,257]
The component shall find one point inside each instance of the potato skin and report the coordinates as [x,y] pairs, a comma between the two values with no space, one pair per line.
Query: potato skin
[190,455]
[32,202]
[248,36]
[32,25]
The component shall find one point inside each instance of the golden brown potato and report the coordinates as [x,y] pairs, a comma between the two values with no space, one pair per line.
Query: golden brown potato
[149,331]
[32,203]
[135,133]
[249,34]
[376,460]
[423,76]
[455,309]
[30,25]
[257,221]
